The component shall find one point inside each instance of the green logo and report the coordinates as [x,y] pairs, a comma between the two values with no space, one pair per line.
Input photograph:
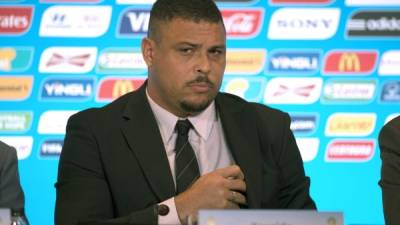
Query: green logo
[18,121]
[349,91]
[121,60]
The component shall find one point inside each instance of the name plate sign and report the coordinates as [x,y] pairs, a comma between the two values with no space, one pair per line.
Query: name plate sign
[269,217]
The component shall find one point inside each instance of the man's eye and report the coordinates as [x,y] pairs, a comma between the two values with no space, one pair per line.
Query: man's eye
[216,51]
[186,50]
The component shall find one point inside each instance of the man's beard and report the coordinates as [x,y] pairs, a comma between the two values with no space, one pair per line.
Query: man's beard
[194,108]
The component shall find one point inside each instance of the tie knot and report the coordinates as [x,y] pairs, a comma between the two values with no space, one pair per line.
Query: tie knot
[183,127]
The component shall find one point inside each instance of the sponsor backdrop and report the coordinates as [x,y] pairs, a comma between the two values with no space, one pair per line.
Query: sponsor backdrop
[333,65]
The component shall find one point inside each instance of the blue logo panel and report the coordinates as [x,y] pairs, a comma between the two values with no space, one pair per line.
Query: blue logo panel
[293,62]
[391,92]
[73,89]
[134,23]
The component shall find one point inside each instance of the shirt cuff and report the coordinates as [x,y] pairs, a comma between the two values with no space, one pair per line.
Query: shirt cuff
[172,217]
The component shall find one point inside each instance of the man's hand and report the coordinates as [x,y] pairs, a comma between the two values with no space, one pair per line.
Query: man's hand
[220,189]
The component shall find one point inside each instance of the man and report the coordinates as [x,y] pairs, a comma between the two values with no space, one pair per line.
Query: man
[133,161]
[389,143]
[11,194]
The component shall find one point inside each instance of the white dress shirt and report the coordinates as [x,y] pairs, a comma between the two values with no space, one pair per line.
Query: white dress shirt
[207,140]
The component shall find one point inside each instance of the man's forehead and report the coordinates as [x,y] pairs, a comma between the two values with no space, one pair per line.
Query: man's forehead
[181,30]
[178,21]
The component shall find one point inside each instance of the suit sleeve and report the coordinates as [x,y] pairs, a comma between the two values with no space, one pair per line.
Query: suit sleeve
[389,142]
[11,194]
[282,158]
[82,189]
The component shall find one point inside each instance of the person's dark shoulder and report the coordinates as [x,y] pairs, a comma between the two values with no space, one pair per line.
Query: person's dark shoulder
[394,123]
[6,149]
[391,126]
[390,132]
[4,146]
[265,112]
[7,153]
[108,112]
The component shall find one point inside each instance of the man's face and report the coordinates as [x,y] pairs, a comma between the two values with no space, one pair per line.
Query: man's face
[186,65]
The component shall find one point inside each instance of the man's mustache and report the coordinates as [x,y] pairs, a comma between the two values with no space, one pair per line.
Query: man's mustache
[201,79]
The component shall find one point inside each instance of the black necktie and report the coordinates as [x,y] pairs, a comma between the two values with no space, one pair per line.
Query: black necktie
[186,167]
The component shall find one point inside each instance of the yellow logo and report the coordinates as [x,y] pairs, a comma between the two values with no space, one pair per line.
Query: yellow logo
[349,62]
[350,124]
[7,55]
[122,87]
[237,87]
[15,88]
[248,62]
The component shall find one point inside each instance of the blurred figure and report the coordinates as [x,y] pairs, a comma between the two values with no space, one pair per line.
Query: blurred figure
[11,194]
[389,143]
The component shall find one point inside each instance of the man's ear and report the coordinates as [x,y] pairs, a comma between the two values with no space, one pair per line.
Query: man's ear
[148,51]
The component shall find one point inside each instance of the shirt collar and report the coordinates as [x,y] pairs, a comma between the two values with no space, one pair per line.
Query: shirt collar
[202,122]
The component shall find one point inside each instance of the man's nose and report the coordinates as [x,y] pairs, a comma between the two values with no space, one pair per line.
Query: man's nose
[203,63]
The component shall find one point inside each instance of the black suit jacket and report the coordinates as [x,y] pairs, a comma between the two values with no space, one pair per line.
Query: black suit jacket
[113,166]
[11,194]
[389,143]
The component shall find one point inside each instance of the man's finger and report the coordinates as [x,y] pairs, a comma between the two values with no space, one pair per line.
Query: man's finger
[238,198]
[236,185]
[232,205]
[233,171]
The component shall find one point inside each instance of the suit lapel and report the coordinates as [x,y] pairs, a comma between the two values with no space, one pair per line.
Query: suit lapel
[143,136]
[241,135]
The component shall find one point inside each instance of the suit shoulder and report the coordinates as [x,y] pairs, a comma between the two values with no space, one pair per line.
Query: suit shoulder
[262,111]
[392,125]
[103,112]
[258,107]
[395,123]
[7,153]
[5,147]
[271,120]
[390,131]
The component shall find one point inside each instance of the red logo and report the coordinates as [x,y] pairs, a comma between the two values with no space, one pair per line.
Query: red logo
[300,1]
[78,60]
[242,23]
[15,20]
[304,91]
[350,150]
[112,88]
[350,62]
